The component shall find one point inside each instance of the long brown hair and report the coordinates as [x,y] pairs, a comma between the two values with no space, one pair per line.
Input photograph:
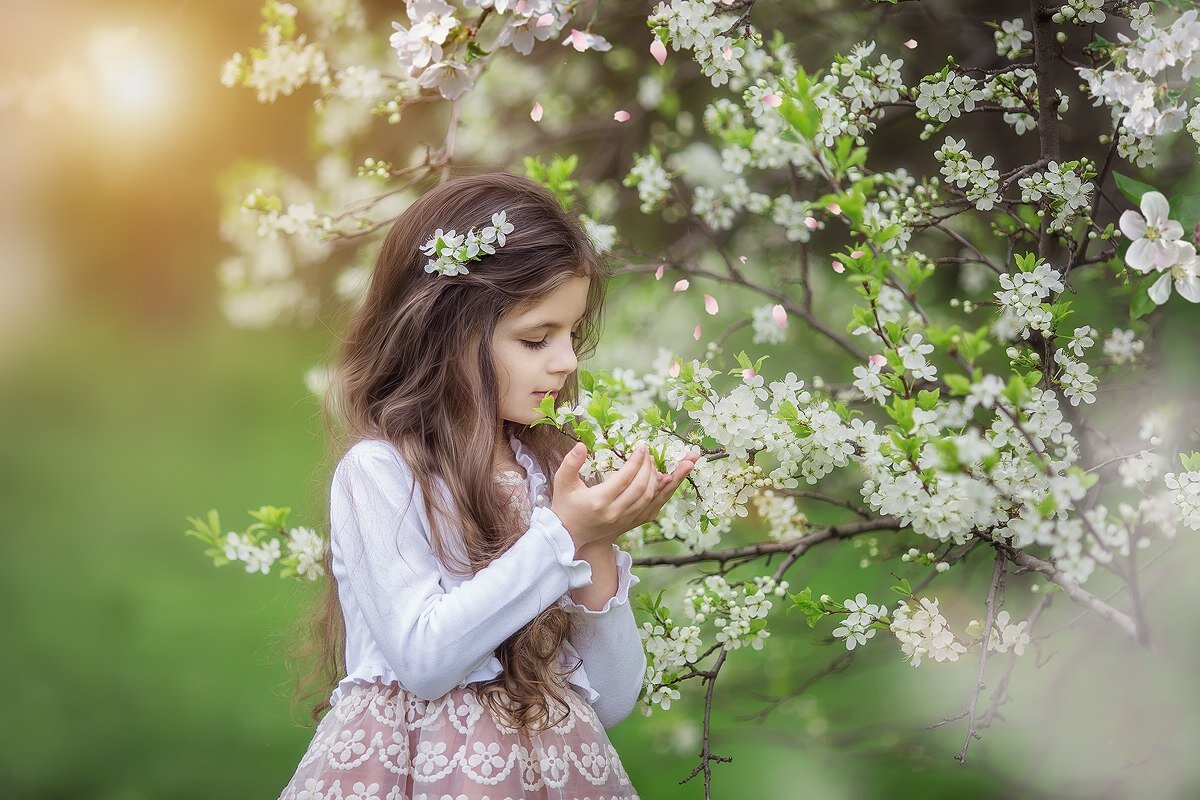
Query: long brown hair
[415,368]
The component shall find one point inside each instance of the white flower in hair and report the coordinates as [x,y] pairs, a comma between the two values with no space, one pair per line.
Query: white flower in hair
[450,251]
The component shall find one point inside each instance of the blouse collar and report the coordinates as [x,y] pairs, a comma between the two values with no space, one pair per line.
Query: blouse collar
[537,478]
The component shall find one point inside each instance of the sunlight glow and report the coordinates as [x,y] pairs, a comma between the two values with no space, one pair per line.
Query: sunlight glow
[133,77]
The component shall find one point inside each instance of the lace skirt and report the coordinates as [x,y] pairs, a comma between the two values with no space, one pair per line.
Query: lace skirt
[381,742]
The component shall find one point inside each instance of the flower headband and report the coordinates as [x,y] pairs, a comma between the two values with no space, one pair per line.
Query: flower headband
[449,251]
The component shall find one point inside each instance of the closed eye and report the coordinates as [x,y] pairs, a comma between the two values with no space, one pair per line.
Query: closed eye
[546,342]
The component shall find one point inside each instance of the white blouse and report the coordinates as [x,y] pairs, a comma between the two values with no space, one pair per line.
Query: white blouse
[410,620]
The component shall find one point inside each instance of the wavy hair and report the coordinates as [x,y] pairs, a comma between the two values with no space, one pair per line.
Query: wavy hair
[415,368]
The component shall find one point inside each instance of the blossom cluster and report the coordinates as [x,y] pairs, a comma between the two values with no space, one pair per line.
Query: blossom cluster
[1185,495]
[1005,635]
[669,648]
[651,179]
[1063,188]
[697,25]
[450,252]
[964,171]
[946,95]
[284,64]
[1122,346]
[856,628]
[1133,83]
[1011,38]
[1022,294]
[738,611]
[923,631]
[303,544]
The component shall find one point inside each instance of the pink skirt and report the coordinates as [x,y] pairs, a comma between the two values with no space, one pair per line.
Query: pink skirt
[381,742]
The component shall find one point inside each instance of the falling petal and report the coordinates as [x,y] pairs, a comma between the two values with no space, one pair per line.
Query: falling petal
[658,50]
[911,44]
[710,304]
[696,333]
[838,267]
[674,369]
[680,285]
[578,40]
[544,20]
[658,273]
[877,359]
[536,113]
[779,315]
[742,259]
[772,99]
[621,116]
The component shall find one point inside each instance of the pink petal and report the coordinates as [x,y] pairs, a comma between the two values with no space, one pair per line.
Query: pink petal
[742,259]
[856,254]
[673,370]
[544,20]
[878,359]
[772,99]
[578,40]
[727,52]
[834,208]
[696,333]
[658,50]
[911,44]
[710,304]
[779,315]
[811,223]
[536,113]
[747,374]
[621,116]
[658,273]
[680,285]
[520,6]
[838,267]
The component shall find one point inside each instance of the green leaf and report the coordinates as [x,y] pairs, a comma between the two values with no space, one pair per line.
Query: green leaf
[1141,304]
[1132,189]
[959,384]
[1185,208]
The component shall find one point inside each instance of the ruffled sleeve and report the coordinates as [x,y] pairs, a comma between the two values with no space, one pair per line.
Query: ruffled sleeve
[610,646]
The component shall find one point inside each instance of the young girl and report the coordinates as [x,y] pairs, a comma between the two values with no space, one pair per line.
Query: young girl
[483,610]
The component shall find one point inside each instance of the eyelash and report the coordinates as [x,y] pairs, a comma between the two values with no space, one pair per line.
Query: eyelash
[545,342]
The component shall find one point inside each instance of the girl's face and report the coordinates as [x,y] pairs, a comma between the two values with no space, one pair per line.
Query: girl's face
[534,350]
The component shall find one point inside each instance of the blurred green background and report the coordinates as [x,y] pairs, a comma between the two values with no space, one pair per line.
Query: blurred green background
[134,669]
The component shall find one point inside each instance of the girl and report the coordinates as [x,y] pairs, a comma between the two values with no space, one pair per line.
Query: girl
[483,611]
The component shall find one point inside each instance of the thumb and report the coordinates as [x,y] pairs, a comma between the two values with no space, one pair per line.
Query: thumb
[568,471]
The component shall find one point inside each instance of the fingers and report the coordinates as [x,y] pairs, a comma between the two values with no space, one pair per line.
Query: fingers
[631,497]
[616,484]
[667,488]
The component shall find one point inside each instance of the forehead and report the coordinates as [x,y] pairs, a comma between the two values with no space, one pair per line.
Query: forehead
[563,305]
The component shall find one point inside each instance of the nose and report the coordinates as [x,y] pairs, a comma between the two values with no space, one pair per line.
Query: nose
[565,360]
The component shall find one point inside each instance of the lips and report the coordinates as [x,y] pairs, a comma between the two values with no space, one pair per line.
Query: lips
[551,392]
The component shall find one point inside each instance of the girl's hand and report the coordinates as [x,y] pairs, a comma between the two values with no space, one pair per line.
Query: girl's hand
[630,497]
